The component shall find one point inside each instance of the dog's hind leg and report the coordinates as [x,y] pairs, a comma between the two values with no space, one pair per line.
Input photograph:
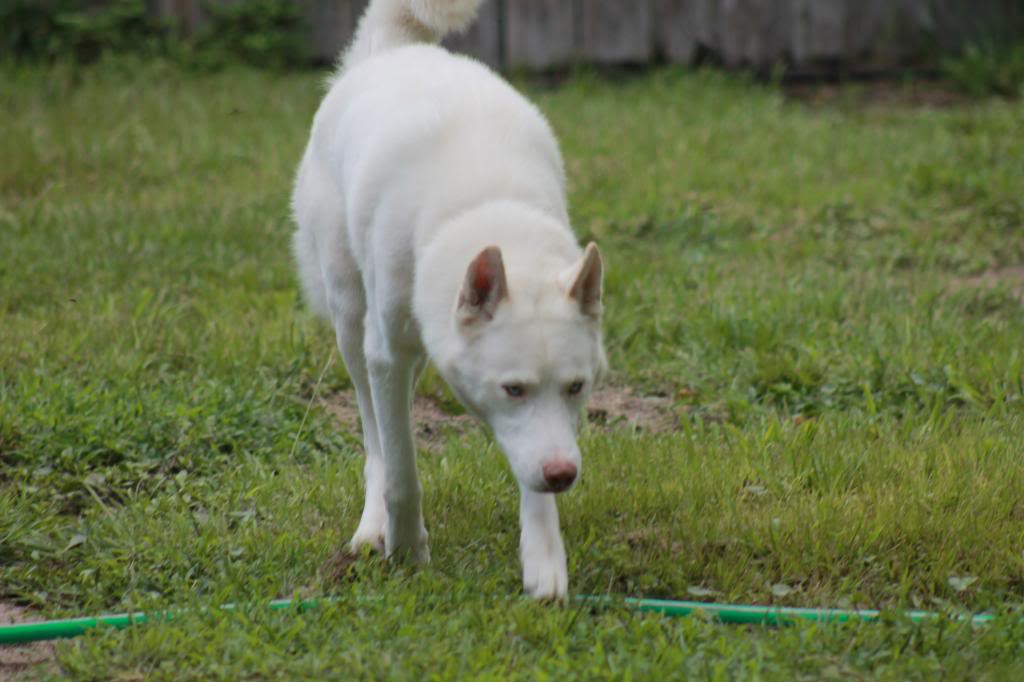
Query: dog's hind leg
[372,524]
[333,286]
[347,302]
[374,520]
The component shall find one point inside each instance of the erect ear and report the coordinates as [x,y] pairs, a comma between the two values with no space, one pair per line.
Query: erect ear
[484,288]
[586,277]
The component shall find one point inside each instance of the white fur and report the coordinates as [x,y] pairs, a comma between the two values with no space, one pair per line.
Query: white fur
[418,161]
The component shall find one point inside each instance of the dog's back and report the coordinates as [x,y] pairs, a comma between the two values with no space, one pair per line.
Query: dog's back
[408,136]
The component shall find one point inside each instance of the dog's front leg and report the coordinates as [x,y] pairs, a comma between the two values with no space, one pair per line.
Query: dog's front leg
[545,575]
[391,383]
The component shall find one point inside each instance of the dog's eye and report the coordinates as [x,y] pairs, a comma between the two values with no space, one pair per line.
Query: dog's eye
[514,390]
[575,388]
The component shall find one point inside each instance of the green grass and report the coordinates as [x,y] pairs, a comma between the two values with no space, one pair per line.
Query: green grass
[802,281]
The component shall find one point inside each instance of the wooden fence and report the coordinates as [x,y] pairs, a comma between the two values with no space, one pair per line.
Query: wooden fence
[553,34]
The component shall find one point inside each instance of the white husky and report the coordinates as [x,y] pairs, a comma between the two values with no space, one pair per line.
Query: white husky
[432,221]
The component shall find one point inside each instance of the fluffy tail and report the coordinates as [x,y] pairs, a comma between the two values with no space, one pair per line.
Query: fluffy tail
[387,24]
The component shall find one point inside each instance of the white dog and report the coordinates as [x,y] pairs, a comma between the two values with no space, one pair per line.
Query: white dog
[432,221]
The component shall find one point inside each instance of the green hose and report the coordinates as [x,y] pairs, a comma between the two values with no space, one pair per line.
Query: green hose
[73,627]
[723,613]
[745,614]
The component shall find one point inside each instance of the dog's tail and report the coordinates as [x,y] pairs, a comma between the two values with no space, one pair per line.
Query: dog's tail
[387,24]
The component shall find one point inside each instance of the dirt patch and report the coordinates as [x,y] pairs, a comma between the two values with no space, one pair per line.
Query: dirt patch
[917,94]
[340,567]
[610,407]
[617,406]
[1010,277]
[15,659]
[433,424]
[652,539]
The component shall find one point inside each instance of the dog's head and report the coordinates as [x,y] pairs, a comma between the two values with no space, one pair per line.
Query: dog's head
[528,360]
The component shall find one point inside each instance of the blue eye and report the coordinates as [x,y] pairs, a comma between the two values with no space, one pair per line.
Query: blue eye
[575,388]
[514,390]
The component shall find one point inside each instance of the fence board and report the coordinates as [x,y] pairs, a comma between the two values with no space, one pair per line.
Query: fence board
[818,30]
[753,32]
[613,31]
[539,34]
[184,13]
[862,29]
[483,40]
[547,34]
[886,31]
[683,27]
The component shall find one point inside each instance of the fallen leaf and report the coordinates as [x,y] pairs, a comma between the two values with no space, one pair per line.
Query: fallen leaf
[782,590]
[76,540]
[961,583]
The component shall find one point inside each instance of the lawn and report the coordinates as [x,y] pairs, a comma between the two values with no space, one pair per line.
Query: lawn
[825,299]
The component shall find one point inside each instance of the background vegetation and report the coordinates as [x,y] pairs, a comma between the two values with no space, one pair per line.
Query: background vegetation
[263,33]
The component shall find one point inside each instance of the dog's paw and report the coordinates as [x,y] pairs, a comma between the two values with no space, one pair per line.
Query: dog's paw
[408,544]
[371,531]
[367,537]
[545,575]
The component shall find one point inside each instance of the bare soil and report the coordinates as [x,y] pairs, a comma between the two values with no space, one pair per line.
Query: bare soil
[610,407]
[1011,277]
[15,659]
[621,406]
[433,424]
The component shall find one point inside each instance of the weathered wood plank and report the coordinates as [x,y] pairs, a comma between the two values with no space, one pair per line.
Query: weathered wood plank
[186,14]
[483,39]
[863,27]
[817,30]
[544,34]
[539,34]
[886,31]
[753,32]
[683,27]
[616,32]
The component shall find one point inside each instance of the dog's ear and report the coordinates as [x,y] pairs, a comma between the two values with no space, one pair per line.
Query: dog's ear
[484,288]
[586,277]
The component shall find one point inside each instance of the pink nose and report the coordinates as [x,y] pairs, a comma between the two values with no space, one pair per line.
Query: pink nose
[559,474]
